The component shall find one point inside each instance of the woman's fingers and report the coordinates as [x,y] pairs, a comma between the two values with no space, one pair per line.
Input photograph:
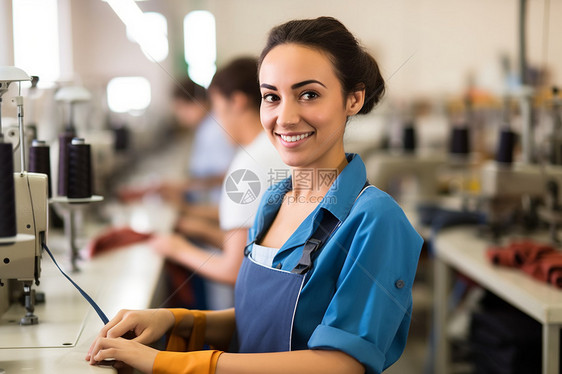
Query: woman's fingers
[121,329]
[103,332]
[144,327]
[109,349]
[129,352]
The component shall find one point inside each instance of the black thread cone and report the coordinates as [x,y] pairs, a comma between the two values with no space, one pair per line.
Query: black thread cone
[64,141]
[79,171]
[8,224]
[506,146]
[460,141]
[409,138]
[40,162]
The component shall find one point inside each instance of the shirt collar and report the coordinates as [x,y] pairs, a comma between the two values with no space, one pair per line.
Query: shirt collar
[338,200]
[344,191]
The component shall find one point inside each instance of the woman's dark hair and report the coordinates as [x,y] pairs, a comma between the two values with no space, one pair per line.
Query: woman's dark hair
[187,90]
[239,75]
[355,68]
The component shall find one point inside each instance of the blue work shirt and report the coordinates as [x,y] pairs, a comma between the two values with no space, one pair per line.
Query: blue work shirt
[357,298]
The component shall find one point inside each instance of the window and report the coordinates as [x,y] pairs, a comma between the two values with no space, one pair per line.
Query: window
[128,95]
[200,46]
[36,42]
[152,36]
[149,30]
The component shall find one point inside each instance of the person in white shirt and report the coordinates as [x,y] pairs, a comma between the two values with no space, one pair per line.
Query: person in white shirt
[235,97]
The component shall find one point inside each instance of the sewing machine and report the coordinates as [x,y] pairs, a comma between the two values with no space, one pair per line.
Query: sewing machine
[388,170]
[510,186]
[21,254]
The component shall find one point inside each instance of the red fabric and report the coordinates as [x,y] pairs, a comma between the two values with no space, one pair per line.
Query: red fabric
[541,261]
[546,268]
[115,238]
[518,253]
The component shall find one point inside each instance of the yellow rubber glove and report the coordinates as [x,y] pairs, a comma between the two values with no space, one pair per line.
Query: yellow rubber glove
[196,339]
[200,362]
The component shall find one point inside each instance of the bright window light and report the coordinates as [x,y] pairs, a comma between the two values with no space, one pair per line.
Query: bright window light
[200,46]
[128,94]
[36,38]
[201,74]
[149,29]
[154,36]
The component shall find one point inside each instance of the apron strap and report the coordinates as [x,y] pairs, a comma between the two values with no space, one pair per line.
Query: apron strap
[320,236]
[327,226]
[248,246]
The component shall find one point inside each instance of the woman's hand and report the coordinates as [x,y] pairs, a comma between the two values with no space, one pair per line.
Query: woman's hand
[168,246]
[147,326]
[132,353]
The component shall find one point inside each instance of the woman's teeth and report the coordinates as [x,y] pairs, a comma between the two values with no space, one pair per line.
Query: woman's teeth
[295,138]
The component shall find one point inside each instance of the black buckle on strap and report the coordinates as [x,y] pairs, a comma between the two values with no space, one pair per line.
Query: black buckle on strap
[305,263]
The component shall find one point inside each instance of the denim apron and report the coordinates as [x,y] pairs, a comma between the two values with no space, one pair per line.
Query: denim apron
[266,298]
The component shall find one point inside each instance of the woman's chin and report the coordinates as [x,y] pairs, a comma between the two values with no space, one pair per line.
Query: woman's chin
[291,159]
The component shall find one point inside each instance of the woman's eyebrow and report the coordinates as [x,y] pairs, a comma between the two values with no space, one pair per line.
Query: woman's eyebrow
[294,86]
[304,83]
[268,86]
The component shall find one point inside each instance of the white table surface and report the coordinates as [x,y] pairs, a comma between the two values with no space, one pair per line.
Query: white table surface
[460,248]
[124,278]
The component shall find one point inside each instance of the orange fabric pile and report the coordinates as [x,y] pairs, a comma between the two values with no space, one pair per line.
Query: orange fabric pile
[541,261]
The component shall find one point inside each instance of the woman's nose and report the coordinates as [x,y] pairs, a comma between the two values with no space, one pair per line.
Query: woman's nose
[288,114]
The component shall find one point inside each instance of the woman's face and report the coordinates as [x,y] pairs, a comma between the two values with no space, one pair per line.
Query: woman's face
[303,109]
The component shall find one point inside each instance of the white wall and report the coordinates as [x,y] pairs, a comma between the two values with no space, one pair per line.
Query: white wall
[441,40]
[446,38]
[6,34]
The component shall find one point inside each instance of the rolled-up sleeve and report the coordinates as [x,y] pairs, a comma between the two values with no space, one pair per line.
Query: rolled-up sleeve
[369,314]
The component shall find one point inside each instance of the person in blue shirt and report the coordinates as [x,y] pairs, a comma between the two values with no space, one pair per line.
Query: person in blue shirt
[325,286]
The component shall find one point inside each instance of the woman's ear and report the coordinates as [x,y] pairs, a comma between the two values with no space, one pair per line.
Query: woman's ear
[355,102]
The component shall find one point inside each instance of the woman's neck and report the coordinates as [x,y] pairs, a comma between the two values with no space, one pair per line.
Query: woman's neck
[315,181]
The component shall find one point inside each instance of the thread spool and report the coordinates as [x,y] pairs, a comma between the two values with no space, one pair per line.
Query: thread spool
[64,141]
[122,138]
[409,138]
[79,169]
[40,160]
[506,146]
[460,141]
[8,224]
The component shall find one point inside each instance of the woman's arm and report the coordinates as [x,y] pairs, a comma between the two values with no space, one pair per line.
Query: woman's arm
[299,362]
[201,229]
[219,327]
[307,361]
[221,267]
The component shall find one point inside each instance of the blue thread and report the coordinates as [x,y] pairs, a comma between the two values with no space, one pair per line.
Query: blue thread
[96,307]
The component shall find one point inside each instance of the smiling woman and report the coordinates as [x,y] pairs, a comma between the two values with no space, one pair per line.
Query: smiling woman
[325,284]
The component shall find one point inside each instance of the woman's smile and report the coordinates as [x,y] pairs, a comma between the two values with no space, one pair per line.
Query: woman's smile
[293,139]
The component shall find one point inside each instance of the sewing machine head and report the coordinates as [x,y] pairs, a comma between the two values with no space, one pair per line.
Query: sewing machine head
[391,171]
[25,202]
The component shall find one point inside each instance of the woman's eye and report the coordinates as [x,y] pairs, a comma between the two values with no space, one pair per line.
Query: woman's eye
[270,98]
[309,95]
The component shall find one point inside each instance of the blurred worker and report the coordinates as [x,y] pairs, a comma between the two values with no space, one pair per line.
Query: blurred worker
[211,153]
[235,98]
